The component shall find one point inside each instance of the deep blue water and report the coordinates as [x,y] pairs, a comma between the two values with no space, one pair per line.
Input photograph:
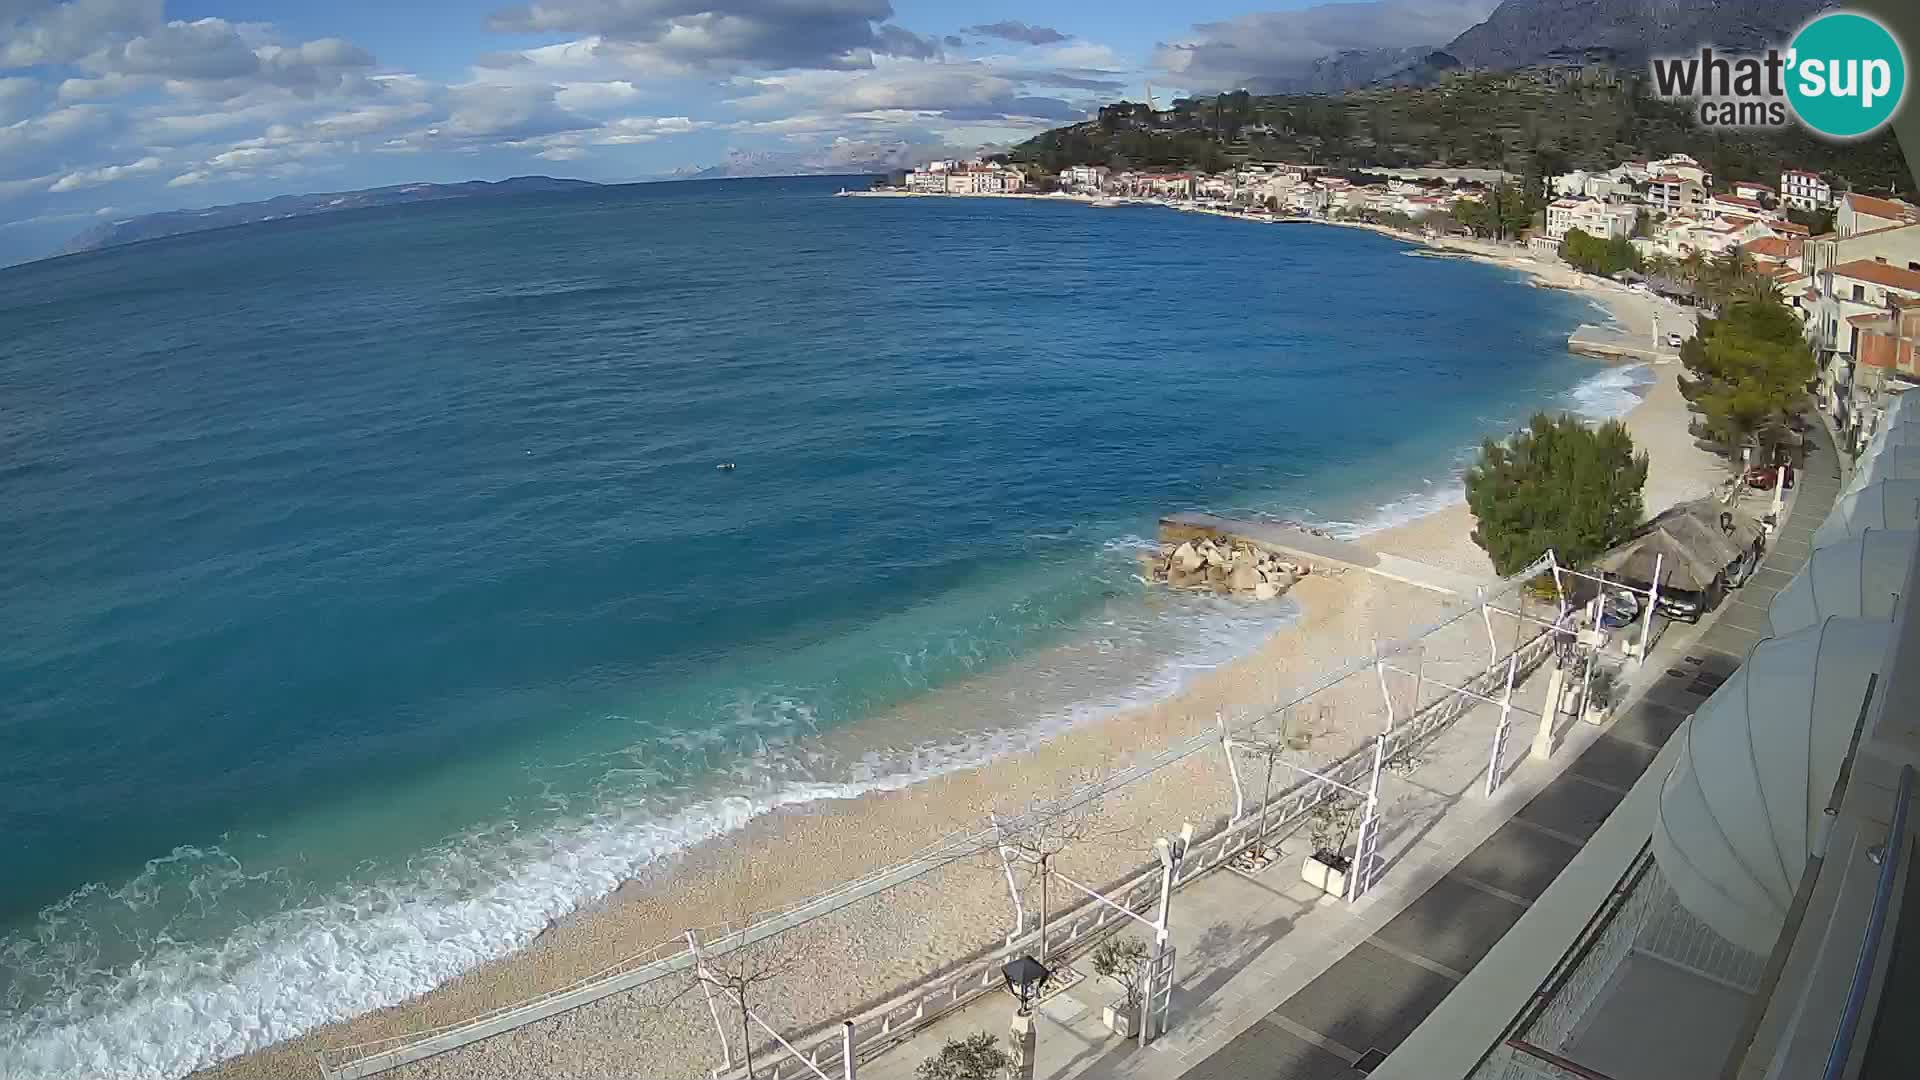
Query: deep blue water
[370,595]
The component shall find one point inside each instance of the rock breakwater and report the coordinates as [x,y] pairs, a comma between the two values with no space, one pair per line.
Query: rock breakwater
[1224,566]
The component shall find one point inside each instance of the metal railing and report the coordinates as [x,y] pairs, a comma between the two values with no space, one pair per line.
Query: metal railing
[918,1004]
[1863,965]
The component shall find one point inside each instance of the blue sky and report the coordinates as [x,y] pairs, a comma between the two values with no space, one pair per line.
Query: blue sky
[110,108]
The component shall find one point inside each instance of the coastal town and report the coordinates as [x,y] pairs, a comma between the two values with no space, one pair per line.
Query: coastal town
[1847,263]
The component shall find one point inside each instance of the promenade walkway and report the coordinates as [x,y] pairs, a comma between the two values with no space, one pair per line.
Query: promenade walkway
[1281,983]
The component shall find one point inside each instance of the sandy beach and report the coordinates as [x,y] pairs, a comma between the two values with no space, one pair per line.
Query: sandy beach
[865,952]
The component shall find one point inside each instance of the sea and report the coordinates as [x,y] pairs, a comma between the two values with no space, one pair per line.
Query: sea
[373,594]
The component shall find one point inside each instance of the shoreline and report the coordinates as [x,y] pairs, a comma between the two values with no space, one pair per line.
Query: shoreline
[709,881]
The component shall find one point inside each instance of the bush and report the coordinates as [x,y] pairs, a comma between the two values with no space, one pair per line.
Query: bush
[976,1057]
[1557,484]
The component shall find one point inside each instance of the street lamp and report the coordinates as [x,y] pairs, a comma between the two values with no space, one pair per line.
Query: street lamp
[1025,977]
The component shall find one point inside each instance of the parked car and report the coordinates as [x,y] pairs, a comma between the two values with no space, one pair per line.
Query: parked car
[1683,604]
[1675,340]
[1619,607]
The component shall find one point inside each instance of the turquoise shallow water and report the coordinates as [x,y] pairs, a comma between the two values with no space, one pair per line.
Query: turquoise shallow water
[372,597]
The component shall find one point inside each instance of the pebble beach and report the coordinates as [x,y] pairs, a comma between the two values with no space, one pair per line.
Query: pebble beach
[865,952]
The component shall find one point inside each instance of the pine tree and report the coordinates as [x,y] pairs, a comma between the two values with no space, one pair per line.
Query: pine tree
[1556,484]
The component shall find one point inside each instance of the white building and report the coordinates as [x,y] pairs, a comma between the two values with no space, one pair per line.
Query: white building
[1865,213]
[1684,167]
[1670,193]
[1804,190]
[1604,220]
[1085,176]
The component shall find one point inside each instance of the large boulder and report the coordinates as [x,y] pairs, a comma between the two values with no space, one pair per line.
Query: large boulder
[1187,558]
[1243,577]
[1266,590]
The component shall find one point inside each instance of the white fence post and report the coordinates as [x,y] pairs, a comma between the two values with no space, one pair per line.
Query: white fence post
[1653,601]
[1500,733]
[1233,771]
[1366,848]
[713,1007]
[1486,616]
[1013,887]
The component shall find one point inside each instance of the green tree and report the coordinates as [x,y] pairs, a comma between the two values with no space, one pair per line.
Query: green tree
[1596,256]
[976,1057]
[1557,484]
[1747,370]
[1477,216]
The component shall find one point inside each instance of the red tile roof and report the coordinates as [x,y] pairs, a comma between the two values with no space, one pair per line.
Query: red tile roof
[1892,277]
[1735,200]
[1771,247]
[1891,209]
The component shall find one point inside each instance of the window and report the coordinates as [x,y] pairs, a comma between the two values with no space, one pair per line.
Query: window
[1860,293]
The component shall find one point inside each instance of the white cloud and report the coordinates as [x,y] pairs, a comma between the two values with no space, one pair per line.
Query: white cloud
[37,142]
[507,112]
[17,97]
[13,189]
[188,179]
[111,85]
[106,174]
[368,120]
[1081,54]
[35,32]
[668,36]
[1283,43]
[626,131]
[595,96]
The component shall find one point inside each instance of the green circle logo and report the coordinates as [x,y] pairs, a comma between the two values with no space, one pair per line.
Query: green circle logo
[1845,75]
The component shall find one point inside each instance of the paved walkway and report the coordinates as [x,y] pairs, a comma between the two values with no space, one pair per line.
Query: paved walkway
[1279,983]
[1352,1015]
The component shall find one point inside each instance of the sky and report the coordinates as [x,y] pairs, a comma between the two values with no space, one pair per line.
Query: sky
[112,108]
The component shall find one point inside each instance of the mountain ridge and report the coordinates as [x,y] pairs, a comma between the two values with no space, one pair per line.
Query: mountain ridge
[183,222]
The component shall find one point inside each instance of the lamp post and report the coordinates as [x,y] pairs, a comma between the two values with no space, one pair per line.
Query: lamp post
[1025,977]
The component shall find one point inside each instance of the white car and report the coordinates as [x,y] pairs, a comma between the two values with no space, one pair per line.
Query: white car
[1674,340]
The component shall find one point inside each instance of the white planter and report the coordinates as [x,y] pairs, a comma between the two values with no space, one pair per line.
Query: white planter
[1596,714]
[1328,879]
[1119,1019]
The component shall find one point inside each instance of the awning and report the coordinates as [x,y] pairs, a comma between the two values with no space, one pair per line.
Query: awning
[1740,810]
[1858,578]
[1893,505]
[1890,463]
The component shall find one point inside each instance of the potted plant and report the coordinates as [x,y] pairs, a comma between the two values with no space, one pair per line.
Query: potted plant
[1332,822]
[1603,688]
[1123,962]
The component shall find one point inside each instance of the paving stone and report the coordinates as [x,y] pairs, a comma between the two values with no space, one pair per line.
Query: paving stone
[1368,998]
[1518,860]
[1265,1052]
[1453,924]
[1570,807]
[1614,761]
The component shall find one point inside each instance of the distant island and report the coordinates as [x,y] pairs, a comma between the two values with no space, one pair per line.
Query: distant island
[181,222]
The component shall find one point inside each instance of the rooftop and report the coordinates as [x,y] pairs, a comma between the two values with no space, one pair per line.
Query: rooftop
[1892,277]
[1892,209]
